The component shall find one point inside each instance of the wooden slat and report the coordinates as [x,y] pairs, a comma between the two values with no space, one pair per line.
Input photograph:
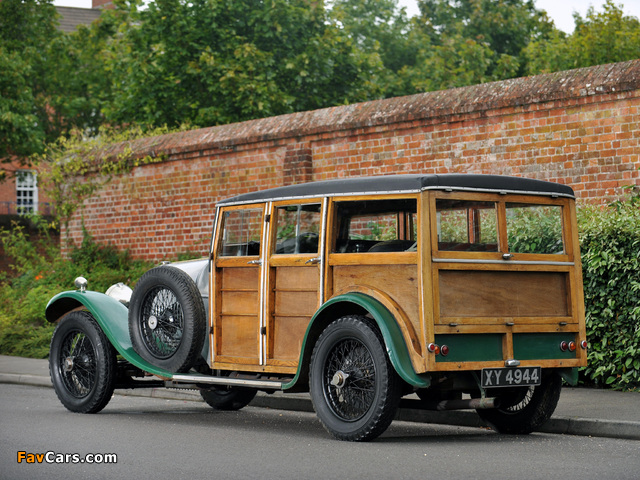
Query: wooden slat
[288,333]
[240,303]
[503,294]
[298,277]
[240,278]
[239,337]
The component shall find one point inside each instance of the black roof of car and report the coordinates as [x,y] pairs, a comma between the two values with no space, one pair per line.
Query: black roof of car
[406,184]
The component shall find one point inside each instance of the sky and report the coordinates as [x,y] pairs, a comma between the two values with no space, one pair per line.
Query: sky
[560,11]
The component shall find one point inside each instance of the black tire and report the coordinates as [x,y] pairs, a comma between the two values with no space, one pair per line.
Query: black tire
[167,319]
[525,410]
[354,388]
[232,398]
[82,363]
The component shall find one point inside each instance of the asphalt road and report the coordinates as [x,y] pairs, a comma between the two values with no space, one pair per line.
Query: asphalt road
[171,439]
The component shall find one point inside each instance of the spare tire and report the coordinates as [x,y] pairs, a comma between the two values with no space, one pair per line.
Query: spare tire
[167,319]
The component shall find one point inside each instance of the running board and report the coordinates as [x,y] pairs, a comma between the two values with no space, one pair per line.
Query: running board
[234,382]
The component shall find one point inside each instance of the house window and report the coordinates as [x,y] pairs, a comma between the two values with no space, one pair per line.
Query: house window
[26,192]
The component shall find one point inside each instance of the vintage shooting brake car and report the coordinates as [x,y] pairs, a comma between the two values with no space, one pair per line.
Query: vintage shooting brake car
[463,289]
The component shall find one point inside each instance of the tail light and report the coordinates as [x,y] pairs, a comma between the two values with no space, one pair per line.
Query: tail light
[444,350]
[564,346]
[583,344]
[433,348]
[572,346]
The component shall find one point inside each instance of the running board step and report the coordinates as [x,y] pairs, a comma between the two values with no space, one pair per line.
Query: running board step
[179,378]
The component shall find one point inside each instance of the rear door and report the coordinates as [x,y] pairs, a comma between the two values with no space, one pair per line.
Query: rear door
[293,280]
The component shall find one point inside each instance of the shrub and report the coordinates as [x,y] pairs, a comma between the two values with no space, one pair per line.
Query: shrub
[610,247]
[39,272]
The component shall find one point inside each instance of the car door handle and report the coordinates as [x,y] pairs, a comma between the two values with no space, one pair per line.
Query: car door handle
[254,262]
[313,261]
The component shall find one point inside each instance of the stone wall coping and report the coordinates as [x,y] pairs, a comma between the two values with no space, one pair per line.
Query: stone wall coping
[521,93]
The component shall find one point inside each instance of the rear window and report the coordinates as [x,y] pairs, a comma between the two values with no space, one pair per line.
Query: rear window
[467,226]
[535,228]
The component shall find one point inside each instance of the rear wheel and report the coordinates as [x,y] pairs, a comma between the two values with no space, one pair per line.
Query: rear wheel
[354,388]
[525,410]
[231,398]
[82,364]
[167,319]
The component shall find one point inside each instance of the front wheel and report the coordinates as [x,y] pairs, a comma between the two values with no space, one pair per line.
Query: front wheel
[525,410]
[354,389]
[82,364]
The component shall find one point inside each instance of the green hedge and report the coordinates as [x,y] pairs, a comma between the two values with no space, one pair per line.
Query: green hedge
[610,248]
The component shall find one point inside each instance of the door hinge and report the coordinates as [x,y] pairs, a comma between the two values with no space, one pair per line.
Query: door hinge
[267,217]
[263,330]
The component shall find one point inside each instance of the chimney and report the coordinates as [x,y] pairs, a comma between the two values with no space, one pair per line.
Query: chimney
[104,4]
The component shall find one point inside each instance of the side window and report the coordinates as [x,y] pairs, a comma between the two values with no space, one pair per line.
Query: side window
[467,226]
[241,232]
[297,228]
[534,228]
[376,226]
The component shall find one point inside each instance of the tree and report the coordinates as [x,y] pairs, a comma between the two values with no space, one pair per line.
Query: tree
[601,37]
[212,62]
[465,42]
[46,79]
[26,29]
[379,27]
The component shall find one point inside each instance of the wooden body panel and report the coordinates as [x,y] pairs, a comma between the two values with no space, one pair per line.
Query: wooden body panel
[399,285]
[502,294]
[507,293]
[238,321]
[294,301]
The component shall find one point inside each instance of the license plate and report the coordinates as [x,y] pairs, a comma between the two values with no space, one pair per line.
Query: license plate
[511,377]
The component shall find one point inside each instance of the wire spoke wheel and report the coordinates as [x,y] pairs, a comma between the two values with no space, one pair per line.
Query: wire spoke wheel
[77,364]
[354,388]
[167,319]
[228,398]
[525,409]
[162,322]
[82,363]
[349,379]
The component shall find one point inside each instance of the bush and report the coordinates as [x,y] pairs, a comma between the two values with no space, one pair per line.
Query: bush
[39,272]
[610,247]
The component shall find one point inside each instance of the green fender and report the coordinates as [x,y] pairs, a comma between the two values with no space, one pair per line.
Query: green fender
[113,318]
[393,339]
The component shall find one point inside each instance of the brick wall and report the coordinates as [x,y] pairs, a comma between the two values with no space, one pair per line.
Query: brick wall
[579,128]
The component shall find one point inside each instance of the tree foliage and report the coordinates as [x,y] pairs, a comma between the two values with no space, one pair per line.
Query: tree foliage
[27,36]
[599,38]
[210,62]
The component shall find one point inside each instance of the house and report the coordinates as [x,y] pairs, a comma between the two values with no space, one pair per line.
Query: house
[19,191]
[19,194]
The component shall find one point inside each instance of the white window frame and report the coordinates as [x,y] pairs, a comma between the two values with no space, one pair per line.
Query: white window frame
[26,192]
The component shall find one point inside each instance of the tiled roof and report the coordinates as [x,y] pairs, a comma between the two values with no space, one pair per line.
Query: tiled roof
[71,17]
